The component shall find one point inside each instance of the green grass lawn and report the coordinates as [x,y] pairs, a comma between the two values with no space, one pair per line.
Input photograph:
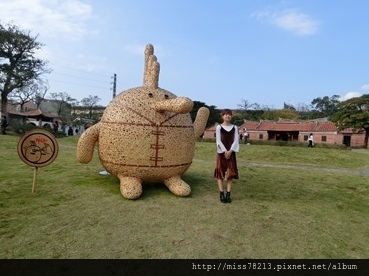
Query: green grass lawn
[289,202]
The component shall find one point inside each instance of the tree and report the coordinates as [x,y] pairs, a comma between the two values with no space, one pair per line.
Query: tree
[74,105]
[61,102]
[18,65]
[42,88]
[245,107]
[288,106]
[301,107]
[277,114]
[35,92]
[353,113]
[304,112]
[23,95]
[60,105]
[214,115]
[90,103]
[237,120]
[270,114]
[288,114]
[325,106]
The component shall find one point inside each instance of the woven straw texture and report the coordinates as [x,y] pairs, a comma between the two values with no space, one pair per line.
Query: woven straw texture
[146,135]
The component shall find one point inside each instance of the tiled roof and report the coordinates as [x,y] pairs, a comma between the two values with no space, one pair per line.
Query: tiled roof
[326,126]
[250,125]
[32,113]
[305,126]
[277,126]
[30,105]
[302,126]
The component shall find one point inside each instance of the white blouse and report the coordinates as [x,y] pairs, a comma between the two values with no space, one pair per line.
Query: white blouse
[235,145]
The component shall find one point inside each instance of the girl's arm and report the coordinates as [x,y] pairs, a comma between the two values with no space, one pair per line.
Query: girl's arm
[220,147]
[235,145]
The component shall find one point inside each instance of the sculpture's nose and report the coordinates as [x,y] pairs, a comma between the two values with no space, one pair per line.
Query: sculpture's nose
[178,105]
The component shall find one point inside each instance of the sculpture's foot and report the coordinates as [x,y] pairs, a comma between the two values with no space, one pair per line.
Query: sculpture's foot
[130,187]
[177,186]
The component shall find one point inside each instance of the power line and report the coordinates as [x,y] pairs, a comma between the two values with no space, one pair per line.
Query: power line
[79,77]
[79,84]
[80,70]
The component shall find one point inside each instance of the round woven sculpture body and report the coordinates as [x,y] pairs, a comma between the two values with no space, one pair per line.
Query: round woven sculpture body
[146,135]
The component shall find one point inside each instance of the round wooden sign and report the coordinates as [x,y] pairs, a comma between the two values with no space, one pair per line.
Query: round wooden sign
[38,148]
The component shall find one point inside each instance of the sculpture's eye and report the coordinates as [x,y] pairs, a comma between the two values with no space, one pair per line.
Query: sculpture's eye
[166,96]
[151,95]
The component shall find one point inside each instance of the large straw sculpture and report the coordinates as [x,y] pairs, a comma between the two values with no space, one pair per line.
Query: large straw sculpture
[146,135]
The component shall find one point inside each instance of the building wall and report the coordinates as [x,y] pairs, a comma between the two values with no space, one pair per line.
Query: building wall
[328,137]
[209,133]
[336,138]
[322,137]
[357,140]
[258,135]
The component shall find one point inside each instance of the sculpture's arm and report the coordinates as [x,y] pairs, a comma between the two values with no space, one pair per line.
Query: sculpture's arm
[200,121]
[86,144]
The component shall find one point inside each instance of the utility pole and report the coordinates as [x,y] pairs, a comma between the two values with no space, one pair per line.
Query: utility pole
[114,85]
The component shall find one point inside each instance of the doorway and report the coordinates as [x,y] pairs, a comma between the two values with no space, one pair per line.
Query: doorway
[347,140]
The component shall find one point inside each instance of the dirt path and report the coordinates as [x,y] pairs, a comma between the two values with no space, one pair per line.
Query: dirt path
[364,171]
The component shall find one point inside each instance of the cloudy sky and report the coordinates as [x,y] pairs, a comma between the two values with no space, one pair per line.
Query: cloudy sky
[218,52]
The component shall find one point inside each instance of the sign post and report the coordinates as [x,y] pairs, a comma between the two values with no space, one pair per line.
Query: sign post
[37,148]
[34,179]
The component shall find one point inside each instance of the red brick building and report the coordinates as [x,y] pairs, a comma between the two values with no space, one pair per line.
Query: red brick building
[285,130]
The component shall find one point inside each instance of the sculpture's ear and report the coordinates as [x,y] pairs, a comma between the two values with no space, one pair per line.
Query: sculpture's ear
[152,68]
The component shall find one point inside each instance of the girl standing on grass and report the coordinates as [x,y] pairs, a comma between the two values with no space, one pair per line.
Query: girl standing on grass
[227,144]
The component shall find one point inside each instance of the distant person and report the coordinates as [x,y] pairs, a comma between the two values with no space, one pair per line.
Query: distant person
[4,125]
[55,126]
[227,143]
[310,141]
[245,135]
[70,131]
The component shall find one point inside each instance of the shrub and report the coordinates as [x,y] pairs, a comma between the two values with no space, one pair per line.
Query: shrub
[281,143]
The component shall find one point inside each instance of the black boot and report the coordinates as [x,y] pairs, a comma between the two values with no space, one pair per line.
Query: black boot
[228,197]
[222,197]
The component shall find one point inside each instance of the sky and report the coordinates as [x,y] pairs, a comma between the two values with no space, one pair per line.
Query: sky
[222,53]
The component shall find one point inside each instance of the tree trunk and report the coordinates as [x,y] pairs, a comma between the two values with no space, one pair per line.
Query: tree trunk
[4,104]
[366,137]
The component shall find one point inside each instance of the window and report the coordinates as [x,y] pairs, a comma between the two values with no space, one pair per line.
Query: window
[306,137]
[324,138]
[261,136]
